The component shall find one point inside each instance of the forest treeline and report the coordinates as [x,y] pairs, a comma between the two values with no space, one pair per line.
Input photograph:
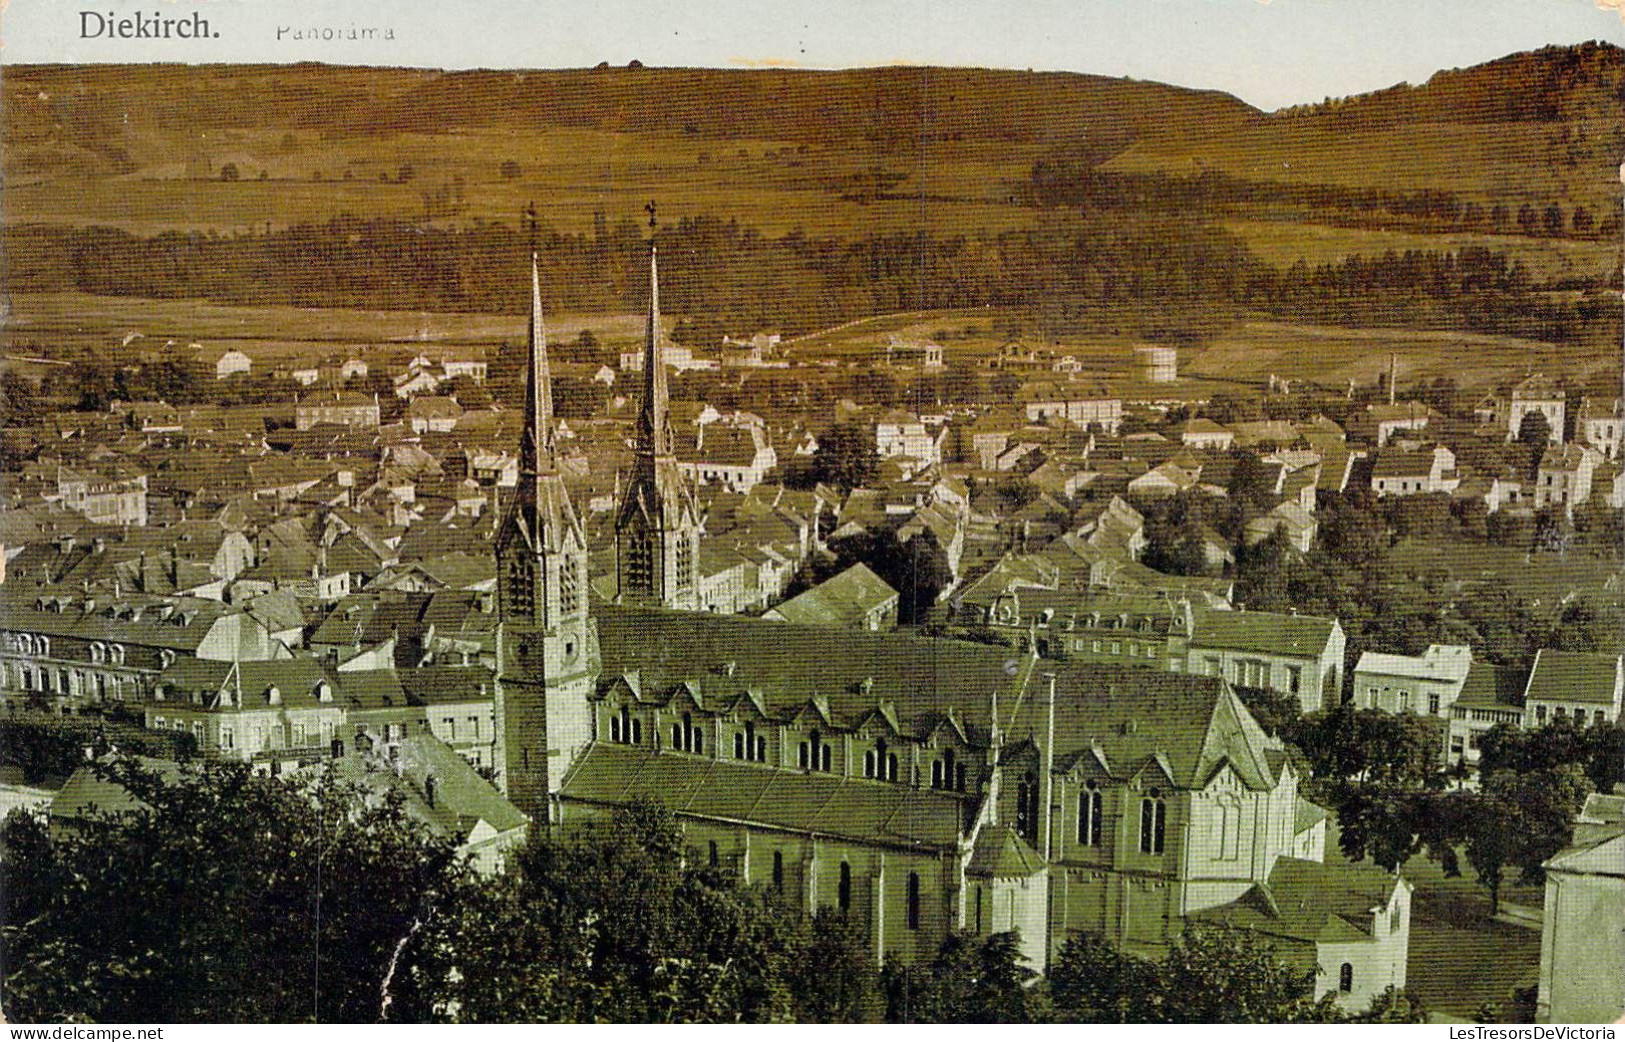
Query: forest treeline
[1066,272]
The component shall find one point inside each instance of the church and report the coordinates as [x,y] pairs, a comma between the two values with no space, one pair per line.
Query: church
[921,785]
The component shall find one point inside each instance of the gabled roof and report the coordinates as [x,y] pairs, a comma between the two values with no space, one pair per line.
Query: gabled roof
[1310,901]
[1574,676]
[1001,853]
[1261,631]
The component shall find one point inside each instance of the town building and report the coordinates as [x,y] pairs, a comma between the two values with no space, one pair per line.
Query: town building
[1299,655]
[1564,476]
[346,408]
[1582,936]
[856,598]
[1534,394]
[1600,424]
[1050,401]
[1490,696]
[1202,433]
[1581,686]
[1409,472]
[902,352]
[106,500]
[1428,683]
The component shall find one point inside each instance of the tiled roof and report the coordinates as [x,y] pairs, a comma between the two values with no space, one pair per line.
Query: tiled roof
[1262,631]
[841,600]
[1310,901]
[1574,676]
[1001,853]
[1489,686]
[808,802]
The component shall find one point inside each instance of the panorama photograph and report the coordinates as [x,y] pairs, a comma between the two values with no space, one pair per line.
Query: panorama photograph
[1125,529]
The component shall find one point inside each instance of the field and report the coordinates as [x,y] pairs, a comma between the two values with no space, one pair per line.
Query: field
[1460,958]
[1283,243]
[274,335]
[1331,356]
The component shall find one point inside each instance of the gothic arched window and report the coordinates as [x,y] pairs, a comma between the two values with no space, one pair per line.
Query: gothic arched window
[1153,823]
[1090,806]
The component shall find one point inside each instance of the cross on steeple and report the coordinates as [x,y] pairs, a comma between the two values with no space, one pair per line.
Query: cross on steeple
[649,208]
[530,225]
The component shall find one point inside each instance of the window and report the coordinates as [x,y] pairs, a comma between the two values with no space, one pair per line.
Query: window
[1153,822]
[714,857]
[1404,701]
[520,588]
[778,871]
[473,727]
[913,900]
[228,738]
[1294,679]
[1540,714]
[1345,978]
[843,890]
[814,753]
[1027,807]
[1090,806]
[451,728]
[569,585]
[1433,703]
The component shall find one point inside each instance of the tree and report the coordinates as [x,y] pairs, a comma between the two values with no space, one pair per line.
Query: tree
[1520,820]
[229,172]
[510,170]
[833,979]
[405,173]
[620,923]
[1534,430]
[846,456]
[970,981]
[1213,974]
[157,915]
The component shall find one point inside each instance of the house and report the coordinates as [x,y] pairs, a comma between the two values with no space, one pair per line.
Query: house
[1202,433]
[104,499]
[1427,683]
[1347,924]
[1051,401]
[346,408]
[1535,394]
[899,433]
[433,413]
[901,352]
[1383,421]
[1582,935]
[856,598]
[70,649]
[1600,424]
[1289,517]
[1298,655]
[221,362]
[1564,476]
[1490,696]
[441,791]
[1409,472]
[735,457]
[1582,686]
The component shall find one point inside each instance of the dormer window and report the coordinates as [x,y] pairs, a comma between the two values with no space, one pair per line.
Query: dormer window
[324,691]
[273,695]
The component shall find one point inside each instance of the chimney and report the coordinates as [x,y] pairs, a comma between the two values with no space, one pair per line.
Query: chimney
[1047,769]
[1393,374]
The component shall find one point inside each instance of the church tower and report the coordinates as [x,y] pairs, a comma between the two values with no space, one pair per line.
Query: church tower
[547,647]
[657,528]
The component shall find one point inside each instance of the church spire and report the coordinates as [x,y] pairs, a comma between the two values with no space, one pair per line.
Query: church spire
[653,433]
[536,444]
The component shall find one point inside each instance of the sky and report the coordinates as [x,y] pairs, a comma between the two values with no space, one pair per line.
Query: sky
[1269,53]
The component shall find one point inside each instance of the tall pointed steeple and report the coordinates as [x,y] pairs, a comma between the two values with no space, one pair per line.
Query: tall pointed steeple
[653,433]
[536,443]
[657,526]
[546,648]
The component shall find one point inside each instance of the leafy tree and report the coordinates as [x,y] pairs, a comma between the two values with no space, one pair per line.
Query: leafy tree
[509,169]
[229,172]
[970,981]
[1534,430]
[1393,1006]
[1214,974]
[846,456]
[231,897]
[616,923]
[833,980]
[1521,819]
